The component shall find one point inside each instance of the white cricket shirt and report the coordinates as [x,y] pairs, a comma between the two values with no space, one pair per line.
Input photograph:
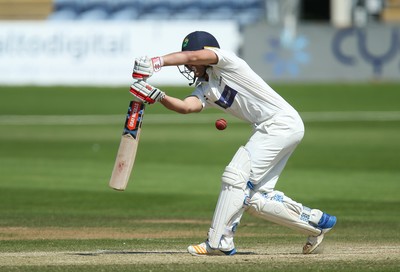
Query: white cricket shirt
[236,89]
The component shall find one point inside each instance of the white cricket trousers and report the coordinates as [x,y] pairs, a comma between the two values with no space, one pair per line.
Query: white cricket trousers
[270,147]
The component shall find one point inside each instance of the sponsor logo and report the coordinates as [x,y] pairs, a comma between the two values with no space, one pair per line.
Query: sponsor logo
[185,42]
[358,38]
[227,97]
[134,116]
[156,64]
[148,87]
[287,56]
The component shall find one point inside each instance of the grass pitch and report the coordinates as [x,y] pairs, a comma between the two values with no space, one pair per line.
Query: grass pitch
[57,150]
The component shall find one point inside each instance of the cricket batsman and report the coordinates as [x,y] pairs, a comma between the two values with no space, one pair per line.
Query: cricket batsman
[223,80]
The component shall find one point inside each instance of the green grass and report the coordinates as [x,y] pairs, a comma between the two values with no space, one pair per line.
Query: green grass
[56,176]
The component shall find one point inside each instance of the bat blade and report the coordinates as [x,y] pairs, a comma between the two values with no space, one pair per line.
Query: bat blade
[128,147]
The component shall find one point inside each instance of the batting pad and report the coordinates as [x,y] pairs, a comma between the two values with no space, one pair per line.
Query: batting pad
[229,208]
[282,210]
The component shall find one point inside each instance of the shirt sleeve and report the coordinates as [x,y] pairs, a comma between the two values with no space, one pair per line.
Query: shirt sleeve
[226,60]
[198,92]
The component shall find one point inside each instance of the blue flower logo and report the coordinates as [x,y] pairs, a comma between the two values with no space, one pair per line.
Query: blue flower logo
[287,56]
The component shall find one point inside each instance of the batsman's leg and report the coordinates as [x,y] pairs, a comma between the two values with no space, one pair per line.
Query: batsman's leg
[269,154]
[282,210]
[229,209]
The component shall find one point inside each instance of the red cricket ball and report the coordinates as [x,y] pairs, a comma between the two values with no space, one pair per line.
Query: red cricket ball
[221,124]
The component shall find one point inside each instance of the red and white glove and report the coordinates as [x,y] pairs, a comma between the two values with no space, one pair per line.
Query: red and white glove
[144,67]
[146,92]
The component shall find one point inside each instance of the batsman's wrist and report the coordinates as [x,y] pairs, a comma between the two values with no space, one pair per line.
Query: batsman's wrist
[157,62]
[162,96]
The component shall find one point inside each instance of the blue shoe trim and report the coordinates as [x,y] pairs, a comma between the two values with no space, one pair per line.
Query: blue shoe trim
[327,221]
[230,252]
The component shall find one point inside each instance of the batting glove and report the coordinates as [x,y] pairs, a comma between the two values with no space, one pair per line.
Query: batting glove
[146,92]
[144,67]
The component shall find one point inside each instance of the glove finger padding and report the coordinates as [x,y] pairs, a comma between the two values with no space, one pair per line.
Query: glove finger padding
[146,92]
[144,67]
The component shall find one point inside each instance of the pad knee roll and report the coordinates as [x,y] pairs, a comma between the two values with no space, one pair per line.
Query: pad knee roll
[237,173]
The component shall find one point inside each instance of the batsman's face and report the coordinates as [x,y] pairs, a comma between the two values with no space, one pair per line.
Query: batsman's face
[199,70]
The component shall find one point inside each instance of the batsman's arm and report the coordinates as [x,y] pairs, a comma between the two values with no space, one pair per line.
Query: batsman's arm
[144,67]
[199,57]
[189,105]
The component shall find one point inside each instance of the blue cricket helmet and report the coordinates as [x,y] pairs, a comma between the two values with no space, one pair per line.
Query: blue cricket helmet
[192,42]
[198,40]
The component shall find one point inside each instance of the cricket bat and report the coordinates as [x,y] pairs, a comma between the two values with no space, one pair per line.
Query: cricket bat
[128,146]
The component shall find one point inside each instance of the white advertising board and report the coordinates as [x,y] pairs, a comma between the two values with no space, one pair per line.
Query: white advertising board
[82,53]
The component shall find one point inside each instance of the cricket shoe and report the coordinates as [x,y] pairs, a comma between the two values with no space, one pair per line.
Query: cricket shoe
[204,249]
[326,223]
